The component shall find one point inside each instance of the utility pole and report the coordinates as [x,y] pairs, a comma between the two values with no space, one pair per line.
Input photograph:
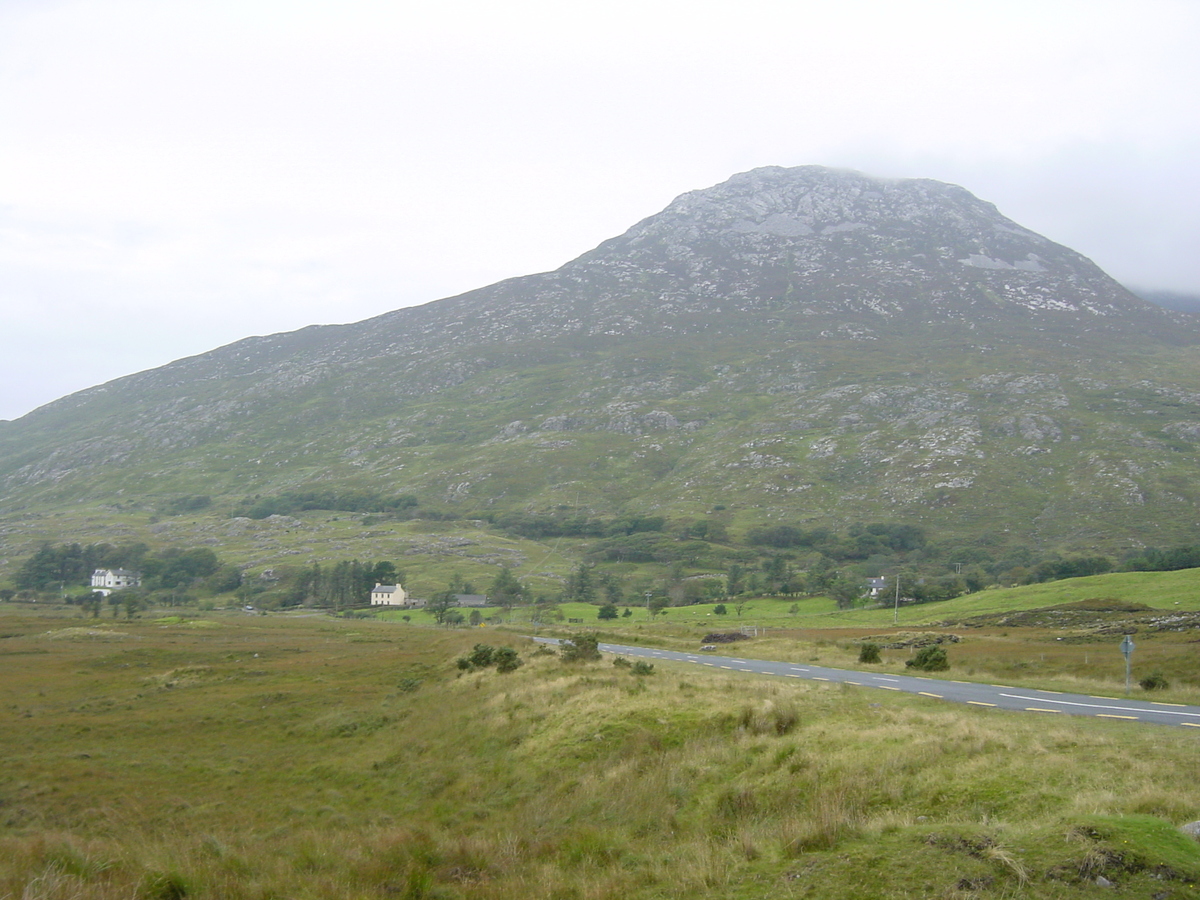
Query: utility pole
[896,611]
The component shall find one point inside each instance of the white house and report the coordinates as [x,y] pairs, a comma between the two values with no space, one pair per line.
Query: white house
[389,595]
[876,586]
[107,580]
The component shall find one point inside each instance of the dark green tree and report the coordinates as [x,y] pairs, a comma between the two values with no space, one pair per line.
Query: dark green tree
[92,602]
[441,605]
[734,580]
[610,588]
[226,579]
[580,588]
[844,591]
[776,571]
[132,602]
[505,590]
[384,572]
[820,576]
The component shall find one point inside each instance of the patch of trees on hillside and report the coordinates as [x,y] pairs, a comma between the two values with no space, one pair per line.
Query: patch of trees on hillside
[539,526]
[859,541]
[71,565]
[360,501]
[1154,560]
[341,585]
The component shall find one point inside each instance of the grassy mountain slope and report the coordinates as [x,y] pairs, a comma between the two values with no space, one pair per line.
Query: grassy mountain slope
[797,345]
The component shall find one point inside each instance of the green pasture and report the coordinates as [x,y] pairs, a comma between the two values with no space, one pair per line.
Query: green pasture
[1179,590]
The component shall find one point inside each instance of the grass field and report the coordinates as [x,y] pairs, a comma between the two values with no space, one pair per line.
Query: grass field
[268,757]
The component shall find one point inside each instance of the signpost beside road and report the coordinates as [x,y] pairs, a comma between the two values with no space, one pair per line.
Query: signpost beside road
[1127,649]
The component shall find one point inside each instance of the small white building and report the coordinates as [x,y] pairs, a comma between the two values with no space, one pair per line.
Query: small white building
[876,586]
[389,595]
[108,580]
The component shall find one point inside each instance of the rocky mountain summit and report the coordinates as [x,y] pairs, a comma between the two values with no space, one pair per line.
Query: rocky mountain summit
[805,344]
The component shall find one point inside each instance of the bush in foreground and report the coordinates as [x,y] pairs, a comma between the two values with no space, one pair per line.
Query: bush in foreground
[483,656]
[929,659]
[868,653]
[1155,681]
[581,648]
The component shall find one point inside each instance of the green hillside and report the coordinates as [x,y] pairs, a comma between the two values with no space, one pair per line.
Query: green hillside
[801,347]
[1059,454]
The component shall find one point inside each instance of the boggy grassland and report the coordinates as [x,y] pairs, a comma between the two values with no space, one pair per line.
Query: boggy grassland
[261,757]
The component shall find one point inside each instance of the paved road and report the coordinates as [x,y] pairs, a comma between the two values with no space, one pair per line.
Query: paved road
[986,695]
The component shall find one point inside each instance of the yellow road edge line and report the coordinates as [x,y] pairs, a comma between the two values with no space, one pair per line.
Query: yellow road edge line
[1160,703]
[819,678]
[1191,724]
[927,694]
[1040,709]
[887,687]
[979,703]
[1112,716]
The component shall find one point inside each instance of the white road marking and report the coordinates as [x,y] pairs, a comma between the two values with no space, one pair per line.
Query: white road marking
[1184,712]
[1164,712]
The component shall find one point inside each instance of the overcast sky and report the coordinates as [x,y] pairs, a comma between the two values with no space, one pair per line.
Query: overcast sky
[178,175]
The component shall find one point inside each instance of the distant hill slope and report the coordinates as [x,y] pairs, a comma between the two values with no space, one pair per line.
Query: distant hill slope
[1188,303]
[803,345]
